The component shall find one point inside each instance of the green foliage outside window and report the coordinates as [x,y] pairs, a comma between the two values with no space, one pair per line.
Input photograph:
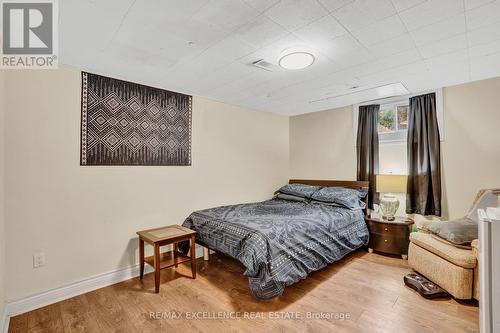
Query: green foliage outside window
[386,119]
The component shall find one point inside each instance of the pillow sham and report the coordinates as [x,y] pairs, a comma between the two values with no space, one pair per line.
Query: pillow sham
[347,197]
[290,197]
[299,190]
[461,231]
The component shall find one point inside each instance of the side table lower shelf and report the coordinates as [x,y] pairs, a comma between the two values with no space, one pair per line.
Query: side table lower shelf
[167,260]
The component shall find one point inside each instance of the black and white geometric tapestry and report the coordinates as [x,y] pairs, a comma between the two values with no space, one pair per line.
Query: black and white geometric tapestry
[125,123]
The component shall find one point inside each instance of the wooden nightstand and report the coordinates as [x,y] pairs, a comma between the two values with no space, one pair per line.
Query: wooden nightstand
[389,236]
[158,237]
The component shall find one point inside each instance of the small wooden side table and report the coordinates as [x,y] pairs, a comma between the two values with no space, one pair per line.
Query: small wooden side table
[172,234]
[389,236]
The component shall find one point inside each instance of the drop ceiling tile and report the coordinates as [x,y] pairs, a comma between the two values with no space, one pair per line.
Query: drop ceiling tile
[401,59]
[449,68]
[196,68]
[155,9]
[293,14]
[228,14]
[485,67]
[75,54]
[448,75]
[484,15]
[172,48]
[430,12]
[419,83]
[225,76]
[332,5]
[174,36]
[261,5]
[470,4]
[299,91]
[283,82]
[198,34]
[272,52]
[386,63]
[143,66]
[384,29]
[361,13]
[392,46]
[402,5]
[485,34]
[346,51]
[448,45]
[241,88]
[344,78]
[306,79]
[79,45]
[230,48]
[440,30]
[320,32]
[483,50]
[397,74]
[261,31]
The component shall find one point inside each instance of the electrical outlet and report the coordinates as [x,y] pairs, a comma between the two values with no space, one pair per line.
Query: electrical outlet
[38,259]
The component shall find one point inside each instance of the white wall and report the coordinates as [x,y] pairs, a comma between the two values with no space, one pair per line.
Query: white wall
[85,218]
[393,158]
[321,145]
[2,210]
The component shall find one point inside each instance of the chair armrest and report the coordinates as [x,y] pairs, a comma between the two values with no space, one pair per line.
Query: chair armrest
[475,247]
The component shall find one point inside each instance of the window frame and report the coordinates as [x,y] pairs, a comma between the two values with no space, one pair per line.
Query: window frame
[398,135]
[401,100]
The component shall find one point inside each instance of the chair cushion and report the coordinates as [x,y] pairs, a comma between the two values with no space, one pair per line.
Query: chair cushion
[467,247]
[460,257]
[461,231]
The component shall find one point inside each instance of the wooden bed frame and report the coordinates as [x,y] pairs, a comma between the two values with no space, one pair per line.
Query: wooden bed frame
[354,184]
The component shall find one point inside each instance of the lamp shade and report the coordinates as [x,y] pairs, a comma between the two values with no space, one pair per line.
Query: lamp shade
[391,183]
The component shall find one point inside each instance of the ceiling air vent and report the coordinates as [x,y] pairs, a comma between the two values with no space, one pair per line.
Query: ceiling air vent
[264,65]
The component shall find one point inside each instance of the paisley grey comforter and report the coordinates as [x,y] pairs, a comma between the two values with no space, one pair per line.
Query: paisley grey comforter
[278,241]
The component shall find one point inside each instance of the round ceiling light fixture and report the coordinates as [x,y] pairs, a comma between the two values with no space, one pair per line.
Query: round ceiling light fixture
[296,59]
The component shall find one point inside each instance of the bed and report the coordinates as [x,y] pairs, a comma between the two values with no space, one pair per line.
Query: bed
[281,241]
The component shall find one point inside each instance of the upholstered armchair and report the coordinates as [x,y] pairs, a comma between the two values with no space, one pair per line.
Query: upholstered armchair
[454,268]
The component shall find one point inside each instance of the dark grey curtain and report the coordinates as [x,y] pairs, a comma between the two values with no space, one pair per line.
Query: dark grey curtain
[367,148]
[424,157]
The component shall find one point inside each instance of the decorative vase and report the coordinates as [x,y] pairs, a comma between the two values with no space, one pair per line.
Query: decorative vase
[389,205]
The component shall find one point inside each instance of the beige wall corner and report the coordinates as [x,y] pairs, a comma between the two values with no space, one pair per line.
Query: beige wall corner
[471,151]
[85,218]
[322,145]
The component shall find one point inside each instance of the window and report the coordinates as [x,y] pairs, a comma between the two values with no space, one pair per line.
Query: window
[393,122]
[394,112]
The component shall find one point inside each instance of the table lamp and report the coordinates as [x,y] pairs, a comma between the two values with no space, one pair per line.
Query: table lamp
[389,184]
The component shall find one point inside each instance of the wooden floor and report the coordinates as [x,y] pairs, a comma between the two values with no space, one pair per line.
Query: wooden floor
[367,287]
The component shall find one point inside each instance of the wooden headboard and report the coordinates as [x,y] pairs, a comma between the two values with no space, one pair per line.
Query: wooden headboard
[355,184]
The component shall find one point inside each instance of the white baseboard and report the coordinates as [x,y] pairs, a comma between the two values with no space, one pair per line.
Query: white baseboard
[5,321]
[38,300]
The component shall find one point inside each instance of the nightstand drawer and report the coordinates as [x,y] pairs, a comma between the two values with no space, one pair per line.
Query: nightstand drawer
[389,243]
[387,228]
